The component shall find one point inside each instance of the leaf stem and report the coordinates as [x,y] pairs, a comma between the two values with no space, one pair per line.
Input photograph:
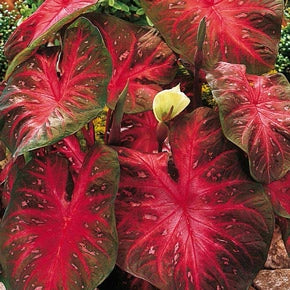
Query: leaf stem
[198,58]
[117,116]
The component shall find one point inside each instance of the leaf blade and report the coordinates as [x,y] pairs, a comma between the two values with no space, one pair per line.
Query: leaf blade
[188,230]
[237,31]
[279,192]
[39,27]
[140,57]
[39,108]
[254,116]
[74,236]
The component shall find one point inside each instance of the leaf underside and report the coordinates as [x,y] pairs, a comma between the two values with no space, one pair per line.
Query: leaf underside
[208,227]
[140,57]
[67,228]
[47,99]
[254,112]
[242,31]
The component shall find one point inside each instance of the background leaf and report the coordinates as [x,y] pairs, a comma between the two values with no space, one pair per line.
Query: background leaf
[254,112]
[242,31]
[209,227]
[71,149]
[279,192]
[10,171]
[40,27]
[67,228]
[139,132]
[140,57]
[47,99]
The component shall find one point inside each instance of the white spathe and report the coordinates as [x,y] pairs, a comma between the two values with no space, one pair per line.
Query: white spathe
[167,104]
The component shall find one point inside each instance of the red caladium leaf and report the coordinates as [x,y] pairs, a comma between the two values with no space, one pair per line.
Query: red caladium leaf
[8,184]
[242,31]
[140,284]
[2,86]
[254,112]
[8,176]
[41,26]
[207,228]
[68,229]
[139,132]
[279,192]
[140,57]
[38,107]
[71,149]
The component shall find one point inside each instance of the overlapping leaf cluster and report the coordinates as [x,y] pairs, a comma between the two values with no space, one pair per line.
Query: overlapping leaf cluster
[191,210]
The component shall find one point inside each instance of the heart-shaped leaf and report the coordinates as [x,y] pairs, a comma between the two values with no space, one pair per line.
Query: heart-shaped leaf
[40,27]
[38,107]
[209,227]
[241,31]
[60,235]
[71,149]
[140,57]
[139,132]
[254,112]
[279,192]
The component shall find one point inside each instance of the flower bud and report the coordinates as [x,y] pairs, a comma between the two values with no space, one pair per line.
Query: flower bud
[169,103]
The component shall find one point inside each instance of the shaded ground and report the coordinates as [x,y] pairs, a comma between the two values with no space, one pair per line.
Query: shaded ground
[276,275]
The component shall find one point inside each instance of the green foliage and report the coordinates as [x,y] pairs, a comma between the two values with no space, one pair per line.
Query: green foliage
[27,7]
[100,125]
[283,59]
[9,19]
[207,97]
[125,9]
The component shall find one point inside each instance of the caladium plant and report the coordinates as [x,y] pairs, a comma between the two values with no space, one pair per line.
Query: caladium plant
[41,26]
[254,115]
[139,56]
[242,31]
[189,232]
[194,209]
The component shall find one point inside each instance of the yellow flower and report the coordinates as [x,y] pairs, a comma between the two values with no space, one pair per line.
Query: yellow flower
[169,103]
